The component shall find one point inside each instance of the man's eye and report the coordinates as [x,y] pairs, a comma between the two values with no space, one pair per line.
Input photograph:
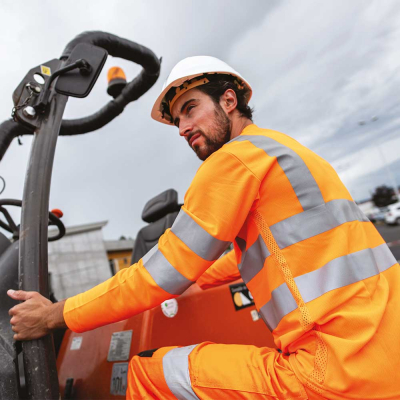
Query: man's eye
[189,108]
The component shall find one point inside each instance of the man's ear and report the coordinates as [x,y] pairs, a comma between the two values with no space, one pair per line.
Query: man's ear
[228,101]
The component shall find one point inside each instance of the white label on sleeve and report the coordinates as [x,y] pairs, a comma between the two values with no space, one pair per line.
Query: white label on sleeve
[169,308]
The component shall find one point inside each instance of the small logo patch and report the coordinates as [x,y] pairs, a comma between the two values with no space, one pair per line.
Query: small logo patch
[241,296]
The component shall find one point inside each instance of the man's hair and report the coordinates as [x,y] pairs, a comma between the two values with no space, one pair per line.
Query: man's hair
[215,89]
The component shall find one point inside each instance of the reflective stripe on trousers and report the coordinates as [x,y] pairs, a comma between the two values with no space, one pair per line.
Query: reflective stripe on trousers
[176,372]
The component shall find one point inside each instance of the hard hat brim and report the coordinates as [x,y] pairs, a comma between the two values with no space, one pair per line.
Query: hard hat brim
[156,113]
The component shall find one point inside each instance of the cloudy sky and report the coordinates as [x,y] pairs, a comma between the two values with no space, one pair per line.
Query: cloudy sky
[317,69]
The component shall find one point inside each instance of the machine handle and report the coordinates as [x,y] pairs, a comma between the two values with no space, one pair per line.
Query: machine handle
[11,226]
[38,355]
[54,220]
[9,130]
[117,47]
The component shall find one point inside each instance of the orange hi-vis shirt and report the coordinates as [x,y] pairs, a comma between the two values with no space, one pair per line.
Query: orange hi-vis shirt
[322,277]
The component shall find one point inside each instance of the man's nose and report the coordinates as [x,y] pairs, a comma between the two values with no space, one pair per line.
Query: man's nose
[185,129]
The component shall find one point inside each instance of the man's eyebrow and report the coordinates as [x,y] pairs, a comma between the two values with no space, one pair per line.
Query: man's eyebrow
[185,104]
[176,120]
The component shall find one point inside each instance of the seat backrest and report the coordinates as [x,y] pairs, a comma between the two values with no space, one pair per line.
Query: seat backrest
[161,212]
[160,205]
[148,236]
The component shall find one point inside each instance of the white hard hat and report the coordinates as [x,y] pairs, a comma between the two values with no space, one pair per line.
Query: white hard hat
[198,70]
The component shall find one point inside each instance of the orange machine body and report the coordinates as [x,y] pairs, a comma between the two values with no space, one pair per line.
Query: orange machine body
[203,315]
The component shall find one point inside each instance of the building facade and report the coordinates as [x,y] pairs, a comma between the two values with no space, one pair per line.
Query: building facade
[78,261]
[119,253]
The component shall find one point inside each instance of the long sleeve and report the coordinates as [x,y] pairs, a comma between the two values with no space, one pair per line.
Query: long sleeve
[224,270]
[215,207]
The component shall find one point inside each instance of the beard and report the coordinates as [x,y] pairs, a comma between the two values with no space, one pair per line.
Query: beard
[221,134]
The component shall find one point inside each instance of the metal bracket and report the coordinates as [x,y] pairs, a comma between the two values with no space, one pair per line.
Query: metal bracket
[26,95]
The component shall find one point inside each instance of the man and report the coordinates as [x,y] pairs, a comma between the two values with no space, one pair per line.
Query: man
[322,278]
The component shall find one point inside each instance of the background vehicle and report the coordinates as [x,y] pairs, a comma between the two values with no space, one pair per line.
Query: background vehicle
[392,214]
[377,214]
[89,365]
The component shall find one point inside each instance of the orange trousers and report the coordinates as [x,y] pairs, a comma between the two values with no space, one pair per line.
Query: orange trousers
[213,371]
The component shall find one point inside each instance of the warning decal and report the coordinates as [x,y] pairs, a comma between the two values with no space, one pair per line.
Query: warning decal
[255,315]
[119,379]
[241,296]
[120,346]
[76,343]
[45,70]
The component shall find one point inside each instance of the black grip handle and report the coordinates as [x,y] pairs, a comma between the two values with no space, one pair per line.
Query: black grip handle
[54,220]
[8,131]
[117,47]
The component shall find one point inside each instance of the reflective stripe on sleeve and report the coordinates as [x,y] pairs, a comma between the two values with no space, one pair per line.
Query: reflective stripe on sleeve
[341,271]
[163,273]
[253,259]
[176,372]
[197,238]
[315,221]
[298,174]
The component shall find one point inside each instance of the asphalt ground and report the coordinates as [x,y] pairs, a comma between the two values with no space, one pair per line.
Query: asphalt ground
[391,234]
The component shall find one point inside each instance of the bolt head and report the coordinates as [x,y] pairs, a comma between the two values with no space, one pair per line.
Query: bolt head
[29,112]
[34,87]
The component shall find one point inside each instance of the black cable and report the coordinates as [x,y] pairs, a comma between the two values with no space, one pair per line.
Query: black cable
[4,184]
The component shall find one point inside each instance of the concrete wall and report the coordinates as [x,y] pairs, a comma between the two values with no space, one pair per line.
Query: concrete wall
[77,262]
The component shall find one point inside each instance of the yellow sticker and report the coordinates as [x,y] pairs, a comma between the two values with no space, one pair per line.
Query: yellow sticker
[45,70]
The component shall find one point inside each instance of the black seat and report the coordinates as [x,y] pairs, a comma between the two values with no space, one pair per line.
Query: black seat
[160,212]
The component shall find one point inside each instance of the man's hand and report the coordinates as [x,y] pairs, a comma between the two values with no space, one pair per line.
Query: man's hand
[36,316]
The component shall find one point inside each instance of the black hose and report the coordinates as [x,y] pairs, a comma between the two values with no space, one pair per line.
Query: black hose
[4,184]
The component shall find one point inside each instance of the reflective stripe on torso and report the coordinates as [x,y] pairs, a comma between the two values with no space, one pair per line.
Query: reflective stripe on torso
[291,260]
